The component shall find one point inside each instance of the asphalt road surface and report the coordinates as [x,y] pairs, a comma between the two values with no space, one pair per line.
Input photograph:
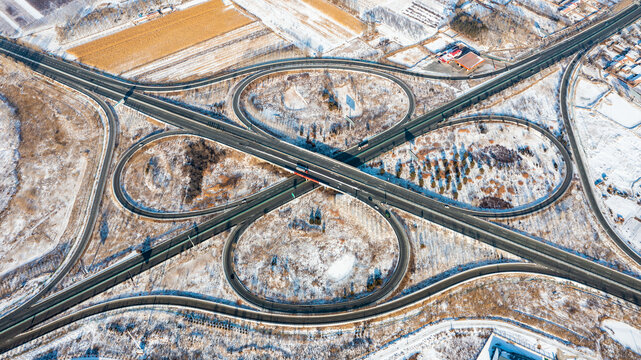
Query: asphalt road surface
[338,173]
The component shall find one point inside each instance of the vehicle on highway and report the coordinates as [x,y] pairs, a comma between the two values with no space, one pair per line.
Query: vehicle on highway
[303,169]
[363,144]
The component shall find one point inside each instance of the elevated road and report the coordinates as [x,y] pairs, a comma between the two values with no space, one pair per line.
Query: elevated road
[338,175]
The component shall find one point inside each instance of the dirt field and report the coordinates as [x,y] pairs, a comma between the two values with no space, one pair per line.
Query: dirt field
[337,15]
[153,40]
[229,50]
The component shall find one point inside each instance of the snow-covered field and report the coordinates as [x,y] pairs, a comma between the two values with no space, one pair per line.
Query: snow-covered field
[118,233]
[569,224]
[9,154]
[407,21]
[438,252]
[409,57]
[316,25]
[197,271]
[322,247]
[313,108]
[554,311]
[483,165]
[604,125]
[158,177]
[535,99]
[626,335]
[621,110]
[436,341]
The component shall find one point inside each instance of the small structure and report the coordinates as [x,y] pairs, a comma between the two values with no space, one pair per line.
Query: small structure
[500,347]
[350,102]
[450,55]
[469,61]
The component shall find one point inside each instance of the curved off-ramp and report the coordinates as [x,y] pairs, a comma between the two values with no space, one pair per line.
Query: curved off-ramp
[585,181]
[78,248]
[282,319]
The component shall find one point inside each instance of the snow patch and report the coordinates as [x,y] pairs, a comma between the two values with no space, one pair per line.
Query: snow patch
[293,100]
[620,110]
[342,267]
[9,155]
[623,333]
[589,92]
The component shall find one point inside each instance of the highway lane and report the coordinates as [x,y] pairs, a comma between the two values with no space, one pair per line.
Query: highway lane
[350,180]
[243,314]
[583,175]
[604,285]
[79,246]
[283,64]
[390,285]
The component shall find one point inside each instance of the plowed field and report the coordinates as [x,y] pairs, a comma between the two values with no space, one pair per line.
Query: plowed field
[158,38]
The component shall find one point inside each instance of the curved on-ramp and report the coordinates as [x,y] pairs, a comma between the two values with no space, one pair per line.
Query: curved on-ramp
[309,308]
[536,205]
[127,203]
[244,83]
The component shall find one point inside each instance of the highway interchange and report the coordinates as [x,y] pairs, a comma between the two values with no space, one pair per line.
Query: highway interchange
[341,172]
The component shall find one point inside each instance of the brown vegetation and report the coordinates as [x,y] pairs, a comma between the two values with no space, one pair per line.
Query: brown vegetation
[199,156]
[153,40]
[491,202]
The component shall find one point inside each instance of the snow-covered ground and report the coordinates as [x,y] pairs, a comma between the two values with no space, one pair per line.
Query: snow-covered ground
[619,109]
[321,247]
[483,165]
[535,99]
[590,92]
[434,341]
[197,271]
[409,57]
[316,25]
[438,252]
[605,127]
[553,310]
[407,21]
[328,110]
[9,154]
[59,146]
[118,232]
[626,335]
[158,178]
